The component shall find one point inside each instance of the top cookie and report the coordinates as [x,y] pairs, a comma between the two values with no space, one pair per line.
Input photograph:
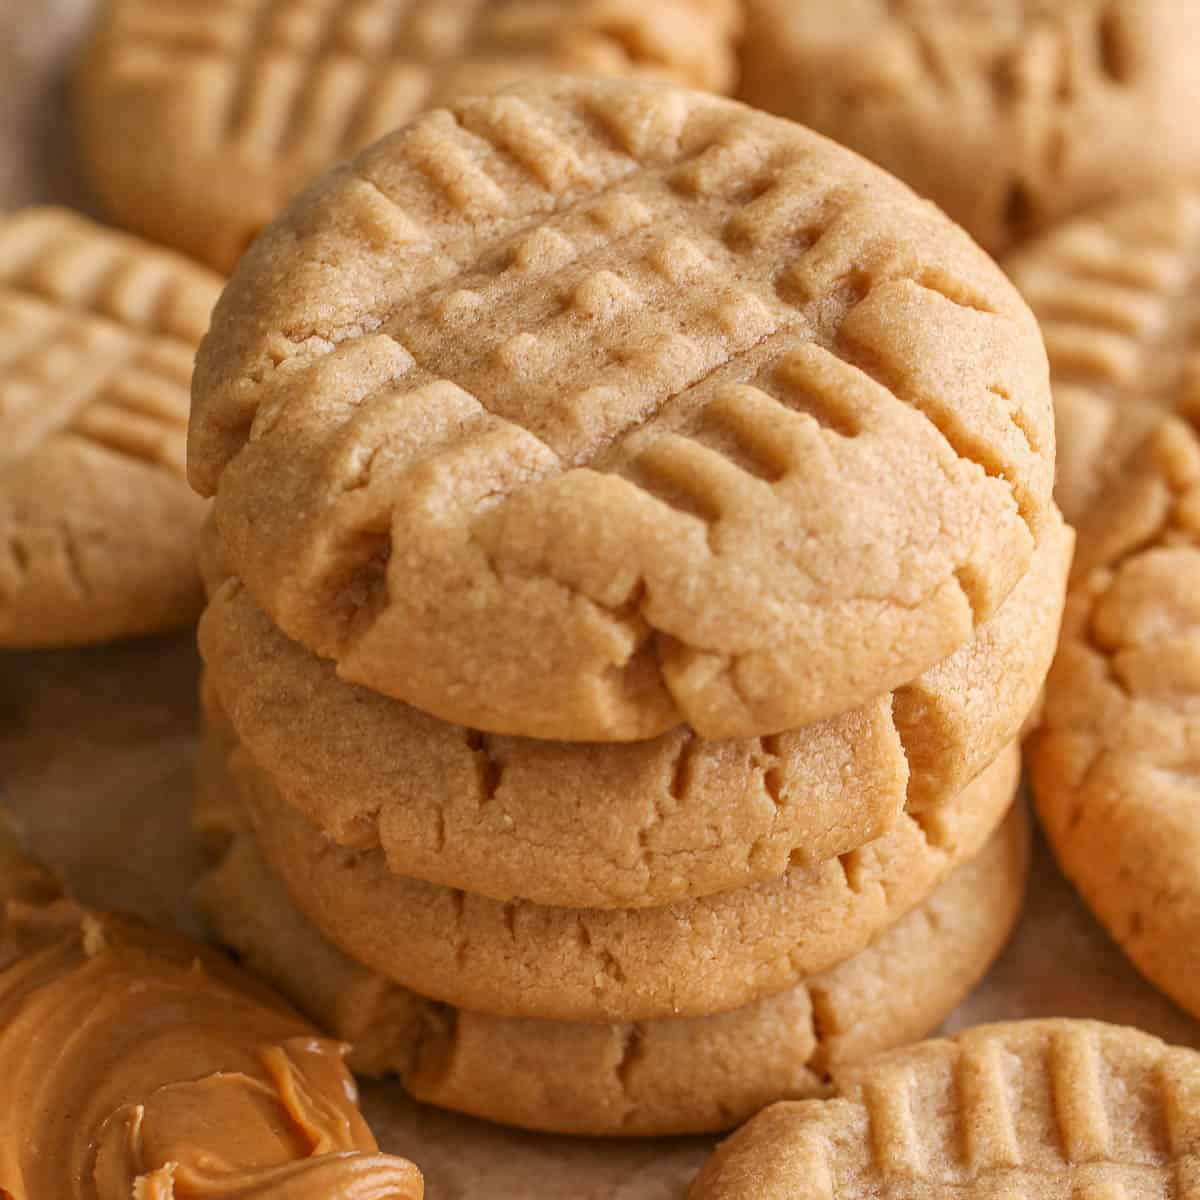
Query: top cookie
[1116,294]
[1009,113]
[588,408]
[1050,1110]
[200,119]
[98,527]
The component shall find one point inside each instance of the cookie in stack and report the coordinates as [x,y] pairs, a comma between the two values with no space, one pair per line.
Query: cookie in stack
[633,563]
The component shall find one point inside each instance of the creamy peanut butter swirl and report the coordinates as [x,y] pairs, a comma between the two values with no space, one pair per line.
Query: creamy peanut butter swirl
[135,1065]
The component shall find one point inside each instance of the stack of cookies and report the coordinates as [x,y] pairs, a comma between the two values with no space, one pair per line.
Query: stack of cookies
[632,564]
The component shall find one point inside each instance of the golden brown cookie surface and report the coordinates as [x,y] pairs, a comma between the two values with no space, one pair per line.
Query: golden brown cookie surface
[630,825]
[1115,767]
[1117,294]
[201,119]
[1010,114]
[651,1078]
[692,958]
[98,527]
[573,413]
[1056,1109]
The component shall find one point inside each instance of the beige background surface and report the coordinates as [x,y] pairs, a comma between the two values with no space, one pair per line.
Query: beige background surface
[95,760]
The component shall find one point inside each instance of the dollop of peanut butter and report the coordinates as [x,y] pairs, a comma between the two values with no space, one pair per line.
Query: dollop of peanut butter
[135,1065]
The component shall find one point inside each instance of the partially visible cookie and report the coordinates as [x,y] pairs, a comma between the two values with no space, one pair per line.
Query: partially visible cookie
[632,825]
[199,121]
[98,527]
[1011,114]
[647,1079]
[1054,1109]
[591,408]
[1117,293]
[692,958]
[1116,765]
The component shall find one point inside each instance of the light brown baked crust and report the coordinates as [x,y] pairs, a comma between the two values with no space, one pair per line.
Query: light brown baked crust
[1010,114]
[627,825]
[692,958]
[573,413]
[653,1078]
[1115,767]
[199,122]
[1052,1110]
[1117,293]
[98,527]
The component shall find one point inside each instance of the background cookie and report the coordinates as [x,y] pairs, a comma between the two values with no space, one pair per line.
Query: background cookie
[198,121]
[692,958]
[1115,767]
[97,525]
[652,1078]
[1010,114]
[1116,294]
[1073,1108]
[623,369]
[612,826]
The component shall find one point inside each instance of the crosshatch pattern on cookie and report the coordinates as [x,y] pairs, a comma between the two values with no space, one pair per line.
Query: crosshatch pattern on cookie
[1118,297]
[743,314]
[1115,768]
[97,336]
[282,89]
[97,523]
[1062,1109]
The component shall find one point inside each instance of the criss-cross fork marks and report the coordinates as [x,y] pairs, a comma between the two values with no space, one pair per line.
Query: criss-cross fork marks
[95,341]
[639,292]
[1034,1110]
[709,346]
[1118,298]
[320,79]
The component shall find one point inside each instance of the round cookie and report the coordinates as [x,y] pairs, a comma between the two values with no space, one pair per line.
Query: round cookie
[98,527]
[692,958]
[1056,1109]
[1116,294]
[1115,766]
[574,413]
[648,1079]
[1010,114]
[597,825]
[199,122]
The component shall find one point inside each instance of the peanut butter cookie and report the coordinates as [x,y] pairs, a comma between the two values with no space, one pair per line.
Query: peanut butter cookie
[1117,293]
[1011,114]
[597,825]
[1057,1110]
[691,958]
[1115,767]
[591,408]
[200,119]
[98,527]
[647,1079]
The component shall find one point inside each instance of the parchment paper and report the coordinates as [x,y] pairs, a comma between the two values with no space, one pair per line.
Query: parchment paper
[95,761]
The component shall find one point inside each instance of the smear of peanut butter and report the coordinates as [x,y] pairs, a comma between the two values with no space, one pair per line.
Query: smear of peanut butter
[135,1065]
